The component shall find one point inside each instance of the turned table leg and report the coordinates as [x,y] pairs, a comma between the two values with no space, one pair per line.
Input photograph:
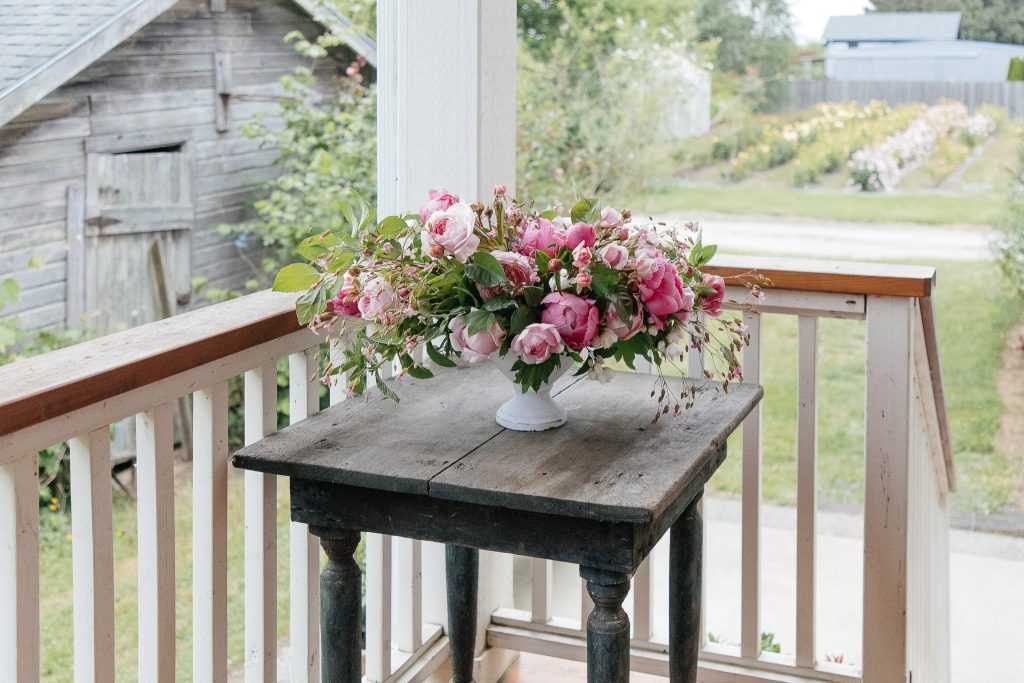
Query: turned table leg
[462,567]
[341,609]
[684,580]
[607,627]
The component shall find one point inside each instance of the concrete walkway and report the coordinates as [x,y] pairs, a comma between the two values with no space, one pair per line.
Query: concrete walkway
[802,238]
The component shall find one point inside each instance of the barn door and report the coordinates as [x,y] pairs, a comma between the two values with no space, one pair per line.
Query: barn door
[134,200]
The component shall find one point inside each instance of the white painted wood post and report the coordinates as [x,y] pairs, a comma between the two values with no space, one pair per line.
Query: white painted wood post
[408,589]
[464,142]
[210,534]
[19,570]
[155,471]
[750,572]
[886,446]
[806,500]
[92,550]
[541,590]
[378,607]
[304,548]
[260,532]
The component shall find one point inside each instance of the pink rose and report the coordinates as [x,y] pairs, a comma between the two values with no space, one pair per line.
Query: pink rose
[575,318]
[346,302]
[537,342]
[613,322]
[500,190]
[377,296]
[583,280]
[581,256]
[475,347]
[713,302]
[452,231]
[519,270]
[662,290]
[543,235]
[615,256]
[610,217]
[439,200]
[581,233]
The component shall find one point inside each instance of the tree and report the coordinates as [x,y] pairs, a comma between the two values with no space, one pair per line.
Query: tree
[999,21]
[754,39]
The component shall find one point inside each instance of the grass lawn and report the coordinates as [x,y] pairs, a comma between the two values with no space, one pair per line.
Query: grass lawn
[981,209]
[971,352]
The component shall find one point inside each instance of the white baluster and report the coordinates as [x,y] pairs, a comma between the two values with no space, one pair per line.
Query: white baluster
[260,532]
[304,579]
[750,570]
[408,594]
[807,455]
[643,615]
[210,534]
[19,570]
[378,607]
[92,550]
[695,370]
[541,590]
[154,437]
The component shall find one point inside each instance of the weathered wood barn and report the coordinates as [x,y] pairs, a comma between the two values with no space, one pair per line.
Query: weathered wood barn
[120,127]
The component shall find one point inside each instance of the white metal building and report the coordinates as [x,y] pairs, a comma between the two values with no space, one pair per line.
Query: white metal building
[911,46]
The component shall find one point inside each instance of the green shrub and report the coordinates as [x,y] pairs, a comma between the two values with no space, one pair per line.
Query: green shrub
[1016,70]
[1010,231]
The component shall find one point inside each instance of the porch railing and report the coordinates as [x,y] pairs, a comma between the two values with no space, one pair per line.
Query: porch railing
[75,394]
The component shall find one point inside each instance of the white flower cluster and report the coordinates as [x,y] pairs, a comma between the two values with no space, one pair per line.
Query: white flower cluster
[880,167]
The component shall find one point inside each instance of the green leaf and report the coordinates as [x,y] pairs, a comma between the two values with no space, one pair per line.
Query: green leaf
[550,214]
[384,388]
[391,227]
[479,320]
[437,357]
[296,277]
[542,258]
[311,304]
[581,210]
[533,295]
[10,290]
[419,372]
[522,317]
[497,303]
[490,265]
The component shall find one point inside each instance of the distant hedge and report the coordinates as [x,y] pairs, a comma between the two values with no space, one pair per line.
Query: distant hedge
[1016,70]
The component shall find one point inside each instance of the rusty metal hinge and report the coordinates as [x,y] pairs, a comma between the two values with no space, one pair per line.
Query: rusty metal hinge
[100,222]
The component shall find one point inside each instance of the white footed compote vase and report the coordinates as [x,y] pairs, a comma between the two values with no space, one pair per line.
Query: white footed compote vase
[532,411]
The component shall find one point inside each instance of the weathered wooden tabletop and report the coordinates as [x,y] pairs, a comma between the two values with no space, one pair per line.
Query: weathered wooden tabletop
[607,463]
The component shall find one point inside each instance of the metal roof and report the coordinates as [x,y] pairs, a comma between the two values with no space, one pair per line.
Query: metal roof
[893,27]
[45,43]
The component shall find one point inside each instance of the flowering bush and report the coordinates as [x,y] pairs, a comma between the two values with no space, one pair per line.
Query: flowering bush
[780,145]
[880,167]
[470,281]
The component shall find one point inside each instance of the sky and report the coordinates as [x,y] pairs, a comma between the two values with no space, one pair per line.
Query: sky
[809,16]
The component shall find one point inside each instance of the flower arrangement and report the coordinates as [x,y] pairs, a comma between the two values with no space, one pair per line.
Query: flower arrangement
[503,280]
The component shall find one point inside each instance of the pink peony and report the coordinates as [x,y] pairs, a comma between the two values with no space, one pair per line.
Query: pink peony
[377,296]
[614,256]
[610,217]
[613,322]
[662,290]
[543,235]
[581,233]
[452,231]
[574,317]
[475,347]
[520,271]
[713,302]
[537,342]
[439,200]
[346,302]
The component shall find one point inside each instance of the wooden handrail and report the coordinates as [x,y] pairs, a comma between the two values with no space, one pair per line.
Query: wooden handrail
[56,383]
[838,277]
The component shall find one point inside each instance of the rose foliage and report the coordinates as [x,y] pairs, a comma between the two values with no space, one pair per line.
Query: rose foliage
[465,282]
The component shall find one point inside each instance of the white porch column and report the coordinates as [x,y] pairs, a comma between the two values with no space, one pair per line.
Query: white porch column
[446,119]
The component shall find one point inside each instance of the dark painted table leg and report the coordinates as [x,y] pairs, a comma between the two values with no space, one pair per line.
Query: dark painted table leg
[341,608]
[462,567]
[684,580]
[607,627]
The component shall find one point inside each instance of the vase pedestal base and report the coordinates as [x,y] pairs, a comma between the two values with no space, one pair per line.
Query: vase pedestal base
[531,412]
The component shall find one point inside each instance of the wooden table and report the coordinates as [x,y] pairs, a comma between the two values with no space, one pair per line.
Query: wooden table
[598,492]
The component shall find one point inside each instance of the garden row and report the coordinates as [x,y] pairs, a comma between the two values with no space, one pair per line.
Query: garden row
[877,143]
